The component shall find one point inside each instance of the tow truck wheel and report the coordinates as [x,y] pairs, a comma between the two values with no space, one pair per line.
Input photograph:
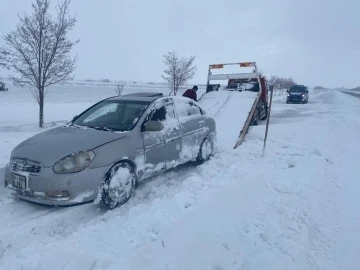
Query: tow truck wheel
[256,120]
[265,113]
[257,117]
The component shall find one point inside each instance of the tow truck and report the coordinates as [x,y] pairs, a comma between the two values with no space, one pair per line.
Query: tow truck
[250,81]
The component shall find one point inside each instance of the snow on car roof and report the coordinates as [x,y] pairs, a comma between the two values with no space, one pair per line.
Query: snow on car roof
[135,97]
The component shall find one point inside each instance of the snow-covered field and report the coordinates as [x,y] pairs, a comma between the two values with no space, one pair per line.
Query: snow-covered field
[295,208]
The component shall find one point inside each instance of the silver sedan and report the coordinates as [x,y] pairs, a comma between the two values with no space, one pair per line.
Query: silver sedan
[109,148]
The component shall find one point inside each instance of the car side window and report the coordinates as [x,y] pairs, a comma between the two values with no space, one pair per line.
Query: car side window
[185,110]
[164,114]
[197,110]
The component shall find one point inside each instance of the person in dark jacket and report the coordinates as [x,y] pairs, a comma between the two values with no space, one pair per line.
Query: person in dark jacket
[191,93]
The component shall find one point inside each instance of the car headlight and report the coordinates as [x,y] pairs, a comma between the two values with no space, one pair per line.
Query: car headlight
[288,95]
[74,163]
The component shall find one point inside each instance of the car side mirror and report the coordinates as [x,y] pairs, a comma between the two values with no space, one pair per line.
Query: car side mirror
[153,126]
[307,91]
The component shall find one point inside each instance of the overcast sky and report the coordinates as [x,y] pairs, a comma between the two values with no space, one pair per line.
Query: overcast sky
[317,42]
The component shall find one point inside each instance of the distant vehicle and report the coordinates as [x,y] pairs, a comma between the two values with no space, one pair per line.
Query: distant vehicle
[297,94]
[2,87]
[109,148]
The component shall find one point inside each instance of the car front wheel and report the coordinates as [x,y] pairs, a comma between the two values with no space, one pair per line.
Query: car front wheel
[206,150]
[119,183]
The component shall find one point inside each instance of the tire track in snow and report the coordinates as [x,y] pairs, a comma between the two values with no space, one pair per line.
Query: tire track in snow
[222,106]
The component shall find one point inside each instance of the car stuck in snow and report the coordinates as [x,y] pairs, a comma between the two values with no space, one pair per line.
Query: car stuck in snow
[109,148]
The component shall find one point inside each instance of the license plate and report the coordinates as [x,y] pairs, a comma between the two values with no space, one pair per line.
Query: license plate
[18,181]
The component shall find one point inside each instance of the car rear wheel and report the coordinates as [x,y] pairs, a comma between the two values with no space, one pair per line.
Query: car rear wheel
[119,183]
[206,150]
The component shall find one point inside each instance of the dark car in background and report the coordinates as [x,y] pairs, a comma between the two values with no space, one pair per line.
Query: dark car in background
[297,94]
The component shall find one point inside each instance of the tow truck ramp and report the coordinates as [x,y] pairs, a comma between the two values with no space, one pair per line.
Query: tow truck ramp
[243,102]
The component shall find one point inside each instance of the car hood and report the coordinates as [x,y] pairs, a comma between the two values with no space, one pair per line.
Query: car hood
[52,145]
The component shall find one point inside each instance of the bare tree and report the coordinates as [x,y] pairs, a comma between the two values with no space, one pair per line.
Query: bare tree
[178,71]
[4,58]
[286,83]
[278,83]
[39,50]
[119,87]
[274,82]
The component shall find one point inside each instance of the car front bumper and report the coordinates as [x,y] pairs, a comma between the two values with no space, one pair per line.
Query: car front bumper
[296,99]
[57,189]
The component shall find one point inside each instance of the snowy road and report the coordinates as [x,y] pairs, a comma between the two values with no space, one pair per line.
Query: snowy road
[296,208]
[352,94]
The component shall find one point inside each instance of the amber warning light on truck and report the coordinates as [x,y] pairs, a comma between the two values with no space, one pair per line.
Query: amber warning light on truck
[243,64]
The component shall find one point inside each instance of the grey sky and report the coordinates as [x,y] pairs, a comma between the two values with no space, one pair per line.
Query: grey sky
[316,42]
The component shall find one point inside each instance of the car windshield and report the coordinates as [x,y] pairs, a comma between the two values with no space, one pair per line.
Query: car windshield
[297,89]
[113,115]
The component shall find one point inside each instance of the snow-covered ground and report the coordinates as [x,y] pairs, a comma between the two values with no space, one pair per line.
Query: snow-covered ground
[294,208]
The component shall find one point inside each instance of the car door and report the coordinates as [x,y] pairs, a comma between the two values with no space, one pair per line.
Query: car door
[162,148]
[192,123]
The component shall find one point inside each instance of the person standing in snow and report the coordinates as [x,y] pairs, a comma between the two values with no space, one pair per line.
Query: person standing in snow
[191,93]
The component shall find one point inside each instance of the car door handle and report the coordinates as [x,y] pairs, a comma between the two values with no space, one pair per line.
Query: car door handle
[201,122]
